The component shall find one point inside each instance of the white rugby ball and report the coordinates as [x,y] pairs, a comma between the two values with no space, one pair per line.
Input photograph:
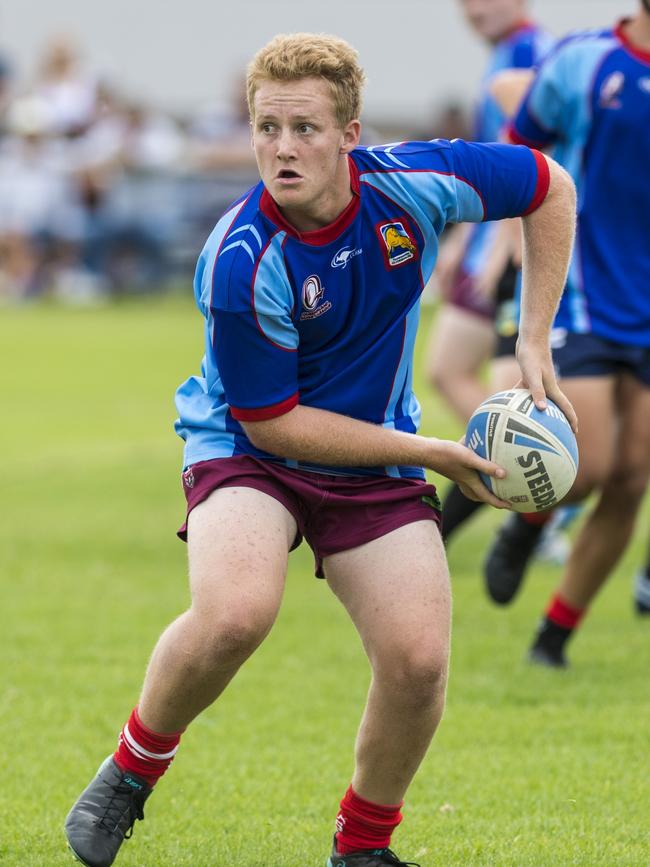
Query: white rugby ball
[538,450]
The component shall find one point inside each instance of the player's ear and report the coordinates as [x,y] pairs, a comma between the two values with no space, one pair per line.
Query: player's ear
[351,136]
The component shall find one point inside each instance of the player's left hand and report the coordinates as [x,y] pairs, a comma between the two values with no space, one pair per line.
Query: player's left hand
[538,376]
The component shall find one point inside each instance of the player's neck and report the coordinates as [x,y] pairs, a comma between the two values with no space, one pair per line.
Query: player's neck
[518,24]
[327,208]
[637,30]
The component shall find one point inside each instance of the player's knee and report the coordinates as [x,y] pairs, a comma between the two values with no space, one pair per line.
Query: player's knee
[230,637]
[441,380]
[589,479]
[627,484]
[417,673]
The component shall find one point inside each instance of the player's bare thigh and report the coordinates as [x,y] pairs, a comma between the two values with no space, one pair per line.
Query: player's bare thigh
[594,400]
[396,590]
[238,545]
[504,373]
[631,467]
[459,340]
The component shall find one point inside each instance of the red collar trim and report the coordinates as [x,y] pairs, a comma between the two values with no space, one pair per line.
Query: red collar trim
[524,24]
[633,49]
[319,236]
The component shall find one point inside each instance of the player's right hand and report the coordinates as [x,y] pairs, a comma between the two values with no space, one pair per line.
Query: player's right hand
[462,465]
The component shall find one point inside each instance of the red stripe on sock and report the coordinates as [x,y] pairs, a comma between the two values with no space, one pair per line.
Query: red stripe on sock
[362,824]
[563,614]
[536,519]
[143,751]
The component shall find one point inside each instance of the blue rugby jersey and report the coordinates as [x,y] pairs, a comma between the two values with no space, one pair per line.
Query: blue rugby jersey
[522,48]
[328,318]
[591,100]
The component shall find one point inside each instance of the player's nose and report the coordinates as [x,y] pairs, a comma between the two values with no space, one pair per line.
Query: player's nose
[284,145]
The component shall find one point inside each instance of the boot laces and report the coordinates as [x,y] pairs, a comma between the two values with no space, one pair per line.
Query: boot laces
[124,801]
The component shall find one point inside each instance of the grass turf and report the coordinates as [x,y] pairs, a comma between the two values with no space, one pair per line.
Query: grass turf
[530,767]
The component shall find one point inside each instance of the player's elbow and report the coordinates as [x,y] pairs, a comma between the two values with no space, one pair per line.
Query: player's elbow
[561,186]
[270,435]
[556,216]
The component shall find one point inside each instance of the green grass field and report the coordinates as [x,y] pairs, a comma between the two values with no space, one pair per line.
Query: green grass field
[530,767]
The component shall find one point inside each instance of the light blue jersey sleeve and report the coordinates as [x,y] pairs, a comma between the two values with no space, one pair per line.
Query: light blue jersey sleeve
[558,102]
[451,182]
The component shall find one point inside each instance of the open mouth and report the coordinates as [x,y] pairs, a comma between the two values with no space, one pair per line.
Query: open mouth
[288,175]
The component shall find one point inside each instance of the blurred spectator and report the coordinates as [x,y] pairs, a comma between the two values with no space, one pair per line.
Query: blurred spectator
[41,223]
[221,164]
[5,90]
[128,163]
[67,88]
[220,136]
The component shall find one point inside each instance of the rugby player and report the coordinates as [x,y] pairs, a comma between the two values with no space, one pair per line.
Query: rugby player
[303,423]
[590,100]
[474,270]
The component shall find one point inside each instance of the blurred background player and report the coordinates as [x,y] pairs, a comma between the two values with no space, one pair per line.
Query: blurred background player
[319,401]
[642,588]
[591,99]
[475,272]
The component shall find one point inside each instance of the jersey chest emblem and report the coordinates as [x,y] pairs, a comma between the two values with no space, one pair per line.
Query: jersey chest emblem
[397,242]
[312,295]
[611,91]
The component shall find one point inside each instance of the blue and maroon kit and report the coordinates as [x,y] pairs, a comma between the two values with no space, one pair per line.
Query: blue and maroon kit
[590,101]
[523,47]
[328,318]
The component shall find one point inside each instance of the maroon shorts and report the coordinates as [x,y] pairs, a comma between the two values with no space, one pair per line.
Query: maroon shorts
[464,294]
[333,513]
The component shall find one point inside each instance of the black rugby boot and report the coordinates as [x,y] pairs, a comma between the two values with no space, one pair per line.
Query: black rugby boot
[642,594]
[104,815]
[508,557]
[367,858]
[548,647]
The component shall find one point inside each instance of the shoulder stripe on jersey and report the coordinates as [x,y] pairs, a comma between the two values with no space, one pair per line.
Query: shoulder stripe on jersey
[263,413]
[239,244]
[387,150]
[249,227]
[235,211]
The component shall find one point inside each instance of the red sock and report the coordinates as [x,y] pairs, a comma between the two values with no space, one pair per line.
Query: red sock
[536,519]
[563,614]
[361,824]
[143,752]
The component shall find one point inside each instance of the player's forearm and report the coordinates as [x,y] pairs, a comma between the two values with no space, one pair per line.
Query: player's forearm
[319,436]
[548,235]
[509,87]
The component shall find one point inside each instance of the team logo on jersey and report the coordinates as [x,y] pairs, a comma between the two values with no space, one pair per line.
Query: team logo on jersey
[399,245]
[188,478]
[611,89]
[343,256]
[312,293]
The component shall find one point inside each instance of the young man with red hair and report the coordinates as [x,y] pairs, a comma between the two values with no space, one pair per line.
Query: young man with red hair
[303,423]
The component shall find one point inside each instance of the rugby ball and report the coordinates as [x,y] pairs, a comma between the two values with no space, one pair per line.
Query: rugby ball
[537,449]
